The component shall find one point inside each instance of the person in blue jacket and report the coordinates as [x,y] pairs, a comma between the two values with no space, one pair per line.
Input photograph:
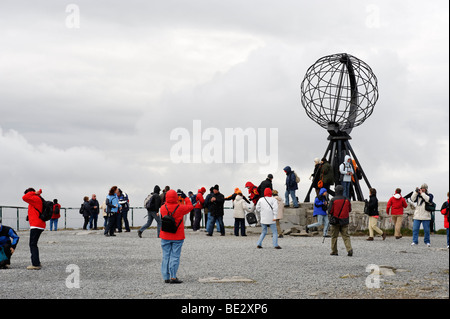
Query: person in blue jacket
[6,244]
[320,210]
[291,187]
[112,209]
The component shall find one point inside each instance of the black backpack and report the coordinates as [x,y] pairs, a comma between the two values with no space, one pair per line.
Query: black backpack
[47,210]
[168,223]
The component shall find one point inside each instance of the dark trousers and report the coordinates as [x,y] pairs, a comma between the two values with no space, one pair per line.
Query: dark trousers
[197,218]
[86,221]
[35,233]
[239,223]
[111,226]
[125,220]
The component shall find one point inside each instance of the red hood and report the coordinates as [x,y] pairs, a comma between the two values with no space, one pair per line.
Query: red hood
[249,184]
[171,197]
[267,192]
[202,190]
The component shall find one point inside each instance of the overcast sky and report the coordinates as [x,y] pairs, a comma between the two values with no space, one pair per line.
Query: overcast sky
[90,93]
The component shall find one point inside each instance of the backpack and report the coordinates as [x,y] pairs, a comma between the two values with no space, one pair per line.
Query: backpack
[147,201]
[57,210]
[168,222]
[47,210]
[297,178]
[430,207]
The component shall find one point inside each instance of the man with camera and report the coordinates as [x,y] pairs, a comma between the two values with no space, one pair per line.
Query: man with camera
[422,214]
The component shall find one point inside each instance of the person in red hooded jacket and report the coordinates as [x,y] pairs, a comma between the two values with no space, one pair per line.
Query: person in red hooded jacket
[395,207]
[445,212]
[198,208]
[171,243]
[37,225]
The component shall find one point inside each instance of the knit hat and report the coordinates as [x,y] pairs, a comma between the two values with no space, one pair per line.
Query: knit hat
[216,187]
[424,186]
[237,190]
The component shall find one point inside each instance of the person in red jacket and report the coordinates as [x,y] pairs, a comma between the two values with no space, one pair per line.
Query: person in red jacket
[395,207]
[200,200]
[340,207]
[171,243]
[445,212]
[37,225]
[56,215]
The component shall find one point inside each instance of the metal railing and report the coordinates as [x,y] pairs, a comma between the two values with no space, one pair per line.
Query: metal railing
[15,216]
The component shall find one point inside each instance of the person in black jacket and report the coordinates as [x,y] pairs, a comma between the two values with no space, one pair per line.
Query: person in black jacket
[153,209]
[86,211]
[372,211]
[267,183]
[216,209]
[95,209]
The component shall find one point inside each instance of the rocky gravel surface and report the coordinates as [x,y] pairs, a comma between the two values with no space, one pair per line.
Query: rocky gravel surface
[88,265]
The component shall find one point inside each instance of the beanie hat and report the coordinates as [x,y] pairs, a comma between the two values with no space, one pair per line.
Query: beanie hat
[424,186]
[216,187]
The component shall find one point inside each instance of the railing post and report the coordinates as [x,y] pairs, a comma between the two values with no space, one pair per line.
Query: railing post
[65,218]
[132,217]
[18,222]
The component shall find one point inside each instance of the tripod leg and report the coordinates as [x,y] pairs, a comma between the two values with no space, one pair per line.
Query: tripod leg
[360,196]
[307,198]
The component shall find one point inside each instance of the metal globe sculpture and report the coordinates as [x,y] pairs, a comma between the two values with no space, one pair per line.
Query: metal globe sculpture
[339,92]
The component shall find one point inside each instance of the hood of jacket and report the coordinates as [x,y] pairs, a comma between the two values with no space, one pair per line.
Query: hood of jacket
[397,196]
[157,189]
[250,185]
[287,169]
[267,192]
[346,158]
[339,190]
[202,190]
[322,191]
[171,197]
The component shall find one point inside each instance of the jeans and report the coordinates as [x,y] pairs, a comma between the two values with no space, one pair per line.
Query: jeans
[294,198]
[54,223]
[426,230]
[215,220]
[321,220]
[448,236]
[93,221]
[171,250]
[35,233]
[123,216]
[150,217]
[273,227]
[212,220]
[346,186]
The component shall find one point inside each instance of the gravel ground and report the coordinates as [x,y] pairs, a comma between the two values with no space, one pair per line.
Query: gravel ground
[128,267]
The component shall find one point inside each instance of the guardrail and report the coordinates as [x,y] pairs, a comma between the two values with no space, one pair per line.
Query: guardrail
[15,216]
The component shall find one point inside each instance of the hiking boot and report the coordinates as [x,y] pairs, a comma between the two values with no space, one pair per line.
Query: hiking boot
[139,234]
[33,267]
[370,239]
[175,281]
[350,253]
[278,247]
[334,254]
[384,235]
[307,229]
